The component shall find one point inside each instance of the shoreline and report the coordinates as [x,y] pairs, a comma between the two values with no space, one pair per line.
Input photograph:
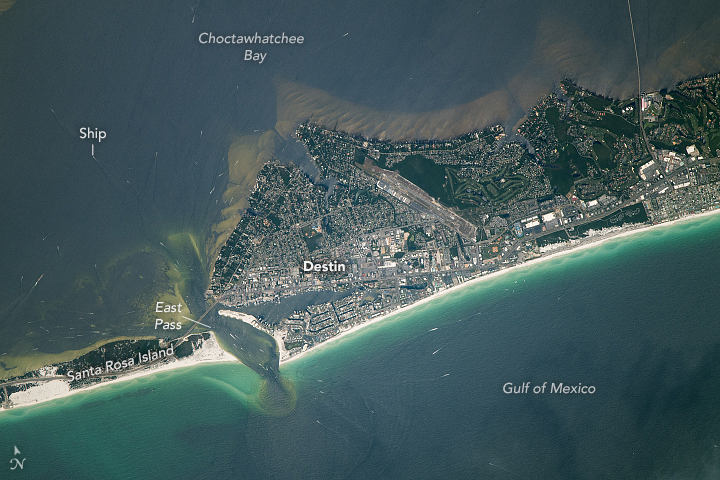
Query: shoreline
[563,248]
[209,352]
[212,352]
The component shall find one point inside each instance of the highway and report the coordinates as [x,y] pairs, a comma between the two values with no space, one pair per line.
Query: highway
[634,198]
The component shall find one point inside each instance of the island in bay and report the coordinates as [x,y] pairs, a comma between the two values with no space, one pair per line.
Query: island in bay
[382,225]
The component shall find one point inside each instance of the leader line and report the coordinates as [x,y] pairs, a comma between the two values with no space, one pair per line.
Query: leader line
[186,318]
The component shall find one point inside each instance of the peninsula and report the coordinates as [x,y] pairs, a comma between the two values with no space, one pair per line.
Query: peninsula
[408,220]
[381,226]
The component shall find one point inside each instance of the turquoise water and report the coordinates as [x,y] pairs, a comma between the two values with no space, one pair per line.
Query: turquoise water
[420,394]
[146,426]
[399,400]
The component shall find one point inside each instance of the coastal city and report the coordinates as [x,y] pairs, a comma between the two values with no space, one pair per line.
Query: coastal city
[381,226]
[408,220]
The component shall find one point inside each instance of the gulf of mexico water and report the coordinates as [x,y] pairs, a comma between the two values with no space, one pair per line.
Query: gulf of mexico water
[420,395]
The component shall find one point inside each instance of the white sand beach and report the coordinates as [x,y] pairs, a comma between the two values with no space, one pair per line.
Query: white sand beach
[209,352]
[592,241]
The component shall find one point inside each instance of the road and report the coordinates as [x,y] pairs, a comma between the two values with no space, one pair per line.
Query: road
[634,198]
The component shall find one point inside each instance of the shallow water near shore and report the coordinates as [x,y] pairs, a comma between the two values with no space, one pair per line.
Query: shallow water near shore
[88,243]
[421,394]
[188,124]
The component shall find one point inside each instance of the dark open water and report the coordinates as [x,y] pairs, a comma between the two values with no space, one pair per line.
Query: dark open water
[637,321]
[109,236]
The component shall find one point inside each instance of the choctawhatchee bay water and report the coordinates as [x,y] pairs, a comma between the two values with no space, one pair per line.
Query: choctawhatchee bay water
[92,238]
[420,395]
[95,233]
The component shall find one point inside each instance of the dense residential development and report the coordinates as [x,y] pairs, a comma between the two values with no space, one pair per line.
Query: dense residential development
[382,225]
[406,220]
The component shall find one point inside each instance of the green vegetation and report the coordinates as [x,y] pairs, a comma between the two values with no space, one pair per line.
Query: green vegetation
[274,219]
[426,174]
[662,145]
[359,155]
[690,117]
[714,142]
[313,243]
[604,155]
[628,215]
[615,124]
[382,161]
[459,192]
[561,172]
[582,164]
[550,238]
[569,87]
[285,176]
[552,115]
[186,348]
[593,148]
[597,103]
[589,189]
[495,189]
[491,251]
